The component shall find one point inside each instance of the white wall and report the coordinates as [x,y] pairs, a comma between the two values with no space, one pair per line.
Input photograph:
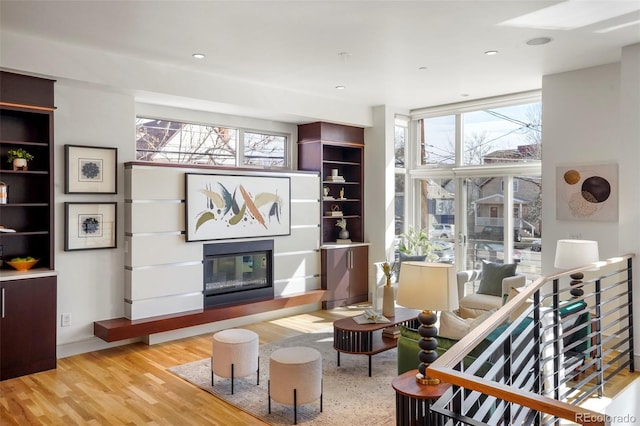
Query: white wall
[379,193]
[591,116]
[163,272]
[90,282]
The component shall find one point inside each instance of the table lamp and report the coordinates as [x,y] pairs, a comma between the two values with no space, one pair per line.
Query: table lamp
[571,254]
[430,287]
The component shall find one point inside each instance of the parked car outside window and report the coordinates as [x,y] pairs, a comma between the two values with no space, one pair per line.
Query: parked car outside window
[441,230]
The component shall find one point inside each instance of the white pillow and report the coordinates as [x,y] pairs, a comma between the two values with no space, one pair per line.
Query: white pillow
[453,327]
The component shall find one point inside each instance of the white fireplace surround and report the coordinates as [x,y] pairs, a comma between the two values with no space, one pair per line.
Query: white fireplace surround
[163,272]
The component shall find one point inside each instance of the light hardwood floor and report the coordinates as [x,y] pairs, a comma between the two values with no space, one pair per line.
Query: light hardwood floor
[130,385]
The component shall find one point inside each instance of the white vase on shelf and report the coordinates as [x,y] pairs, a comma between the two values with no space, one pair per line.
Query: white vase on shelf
[19,164]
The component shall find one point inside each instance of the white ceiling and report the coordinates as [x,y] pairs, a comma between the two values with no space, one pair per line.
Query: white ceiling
[295,45]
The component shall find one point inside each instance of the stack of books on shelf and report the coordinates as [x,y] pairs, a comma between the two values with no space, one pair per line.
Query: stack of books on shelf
[334,178]
[393,332]
[335,213]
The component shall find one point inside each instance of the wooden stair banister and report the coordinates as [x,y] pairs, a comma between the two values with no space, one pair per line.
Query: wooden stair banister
[445,366]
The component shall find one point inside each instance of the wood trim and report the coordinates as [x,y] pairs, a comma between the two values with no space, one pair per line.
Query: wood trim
[115,329]
[131,164]
[33,107]
[444,367]
[521,397]
[332,143]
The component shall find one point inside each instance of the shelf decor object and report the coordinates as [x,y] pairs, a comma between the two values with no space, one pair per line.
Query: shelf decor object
[19,158]
[22,265]
[431,287]
[90,169]
[231,206]
[89,226]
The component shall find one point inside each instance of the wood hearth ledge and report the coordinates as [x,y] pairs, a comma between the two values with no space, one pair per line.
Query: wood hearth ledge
[115,329]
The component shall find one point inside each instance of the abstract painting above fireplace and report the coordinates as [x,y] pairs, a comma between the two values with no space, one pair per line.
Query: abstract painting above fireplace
[228,206]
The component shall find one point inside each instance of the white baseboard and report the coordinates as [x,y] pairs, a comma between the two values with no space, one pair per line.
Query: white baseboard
[90,345]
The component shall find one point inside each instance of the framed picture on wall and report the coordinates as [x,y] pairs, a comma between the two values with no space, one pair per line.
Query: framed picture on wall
[587,192]
[90,169]
[229,206]
[89,226]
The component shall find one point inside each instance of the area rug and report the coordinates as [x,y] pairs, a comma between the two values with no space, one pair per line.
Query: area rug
[350,396]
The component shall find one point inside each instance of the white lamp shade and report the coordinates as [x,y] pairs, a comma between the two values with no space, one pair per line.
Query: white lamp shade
[572,254]
[427,286]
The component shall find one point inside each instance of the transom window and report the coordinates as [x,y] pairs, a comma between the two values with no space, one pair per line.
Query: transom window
[192,143]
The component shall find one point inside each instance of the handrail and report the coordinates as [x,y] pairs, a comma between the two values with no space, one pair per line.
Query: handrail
[446,367]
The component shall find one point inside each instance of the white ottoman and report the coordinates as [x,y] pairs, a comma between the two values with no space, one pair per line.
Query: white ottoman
[295,377]
[235,354]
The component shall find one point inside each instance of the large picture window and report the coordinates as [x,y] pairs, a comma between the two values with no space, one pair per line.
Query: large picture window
[191,143]
[475,184]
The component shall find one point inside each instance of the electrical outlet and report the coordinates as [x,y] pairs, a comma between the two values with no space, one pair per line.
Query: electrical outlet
[65,320]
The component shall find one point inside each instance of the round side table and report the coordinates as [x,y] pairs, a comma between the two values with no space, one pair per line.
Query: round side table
[413,401]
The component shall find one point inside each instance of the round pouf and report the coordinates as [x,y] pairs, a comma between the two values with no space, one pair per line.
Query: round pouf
[295,377]
[235,354]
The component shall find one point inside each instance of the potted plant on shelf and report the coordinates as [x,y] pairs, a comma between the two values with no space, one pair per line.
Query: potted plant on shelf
[19,158]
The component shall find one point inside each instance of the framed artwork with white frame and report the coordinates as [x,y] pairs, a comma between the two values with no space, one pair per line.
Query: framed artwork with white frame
[220,206]
[90,169]
[89,226]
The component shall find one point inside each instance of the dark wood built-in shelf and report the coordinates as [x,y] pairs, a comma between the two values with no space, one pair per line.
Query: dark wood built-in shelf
[112,330]
[29,300]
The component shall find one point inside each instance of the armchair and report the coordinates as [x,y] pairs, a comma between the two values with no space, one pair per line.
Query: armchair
[484,302]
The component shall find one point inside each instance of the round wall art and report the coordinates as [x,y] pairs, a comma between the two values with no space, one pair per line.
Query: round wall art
[587,192]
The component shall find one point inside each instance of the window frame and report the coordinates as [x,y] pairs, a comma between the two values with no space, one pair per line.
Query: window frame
[240,132]
[458,171]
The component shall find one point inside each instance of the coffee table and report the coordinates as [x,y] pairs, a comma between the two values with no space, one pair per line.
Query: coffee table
[367,339]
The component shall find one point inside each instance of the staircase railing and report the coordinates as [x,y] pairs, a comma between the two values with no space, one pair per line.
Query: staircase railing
[545,352]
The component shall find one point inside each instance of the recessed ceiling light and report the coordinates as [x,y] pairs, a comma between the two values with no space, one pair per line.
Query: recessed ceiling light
[340,87]
[199,55]
[464,95]
[491,52]
[422,68]
[539,40]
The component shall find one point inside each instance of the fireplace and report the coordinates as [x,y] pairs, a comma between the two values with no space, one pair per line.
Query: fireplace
[238,272]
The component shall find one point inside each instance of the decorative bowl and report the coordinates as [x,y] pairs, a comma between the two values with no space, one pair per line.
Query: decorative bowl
[22,265]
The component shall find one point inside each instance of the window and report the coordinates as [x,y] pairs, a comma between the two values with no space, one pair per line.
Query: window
[400,143]
[503,134]
[265,150]
[179,142]
[478,170]
[437,137]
